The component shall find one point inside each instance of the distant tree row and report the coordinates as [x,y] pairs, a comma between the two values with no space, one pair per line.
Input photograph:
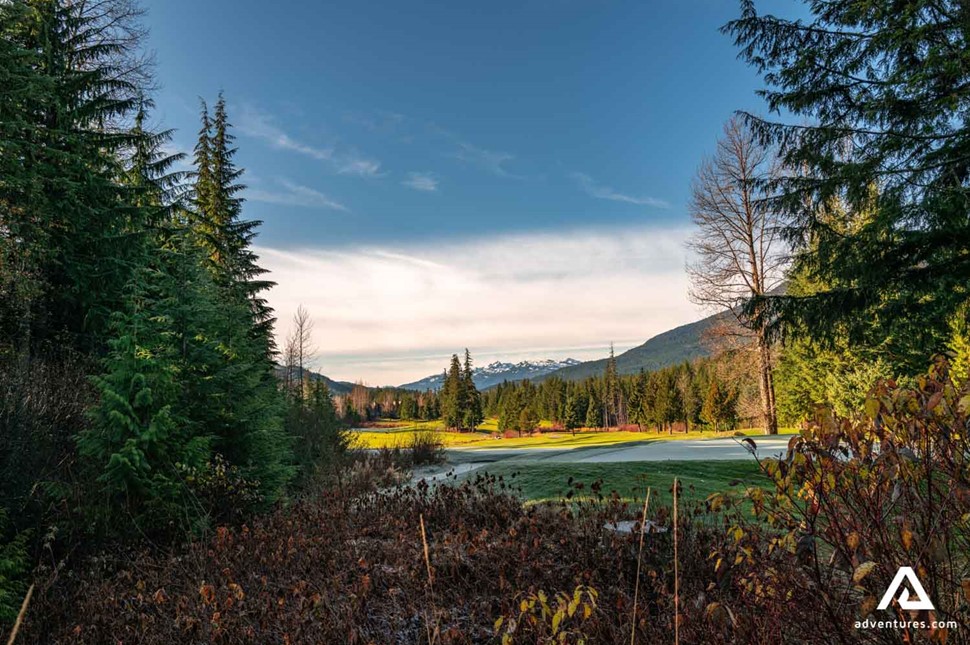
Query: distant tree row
[686,396]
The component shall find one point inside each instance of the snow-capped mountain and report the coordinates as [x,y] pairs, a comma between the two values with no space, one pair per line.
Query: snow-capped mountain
[495,373]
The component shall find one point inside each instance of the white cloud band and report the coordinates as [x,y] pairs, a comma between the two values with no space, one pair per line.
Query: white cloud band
[514,294]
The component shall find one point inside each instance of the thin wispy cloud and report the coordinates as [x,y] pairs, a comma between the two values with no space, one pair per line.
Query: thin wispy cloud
[424,181]
[359,167]
[493,161]
[601,191]
[377,121]
[512,294]
[260,125]
[490,160]
[293,194]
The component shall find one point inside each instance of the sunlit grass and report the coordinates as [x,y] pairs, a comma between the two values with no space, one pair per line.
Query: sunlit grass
[384,425]
[392,433]
[399,438]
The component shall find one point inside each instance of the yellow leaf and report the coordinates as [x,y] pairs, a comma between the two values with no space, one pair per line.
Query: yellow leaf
[964,403]
[716,500]
[872,408]
[555,622]
[236,591]
[862,571]
[853,540]
[498,623]
[523,606]
[907,537]
[587,610]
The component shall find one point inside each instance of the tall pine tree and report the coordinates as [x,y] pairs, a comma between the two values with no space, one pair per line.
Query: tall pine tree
[246,407]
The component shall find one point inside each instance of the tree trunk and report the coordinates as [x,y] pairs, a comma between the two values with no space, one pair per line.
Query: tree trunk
[767,386]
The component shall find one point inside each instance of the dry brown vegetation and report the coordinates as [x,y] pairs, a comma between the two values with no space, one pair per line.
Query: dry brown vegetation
[349,567]
[373,561]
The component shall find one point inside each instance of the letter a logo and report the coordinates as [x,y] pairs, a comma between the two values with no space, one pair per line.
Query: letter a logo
[907,574]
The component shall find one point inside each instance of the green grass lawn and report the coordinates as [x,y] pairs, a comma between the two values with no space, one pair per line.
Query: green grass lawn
[549,481]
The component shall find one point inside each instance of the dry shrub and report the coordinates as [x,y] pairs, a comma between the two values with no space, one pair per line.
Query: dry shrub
[374,470]
[853,501]
[349,567]
[425,447]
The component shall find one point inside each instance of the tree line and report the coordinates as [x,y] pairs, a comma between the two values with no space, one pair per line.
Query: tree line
[684,398]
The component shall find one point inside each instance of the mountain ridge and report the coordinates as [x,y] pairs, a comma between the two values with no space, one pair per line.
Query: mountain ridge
[496,372]
[683,343]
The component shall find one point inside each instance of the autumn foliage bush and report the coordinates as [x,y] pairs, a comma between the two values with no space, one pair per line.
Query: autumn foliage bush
[854,500]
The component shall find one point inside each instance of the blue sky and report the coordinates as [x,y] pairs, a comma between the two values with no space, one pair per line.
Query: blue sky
[409,158]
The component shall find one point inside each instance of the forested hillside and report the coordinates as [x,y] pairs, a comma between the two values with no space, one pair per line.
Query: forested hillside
[335,387]
[684,343]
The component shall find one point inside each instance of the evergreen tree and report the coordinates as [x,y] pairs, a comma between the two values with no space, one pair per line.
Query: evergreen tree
[875,94]
[70,228]
[837,372]
[318,437]
[472,414]
[571,415]
[246,408]
[720,406]
[453,395]
[140,442]
[528,420]
[612,399]
[593,416]
[690,396]
[640,412]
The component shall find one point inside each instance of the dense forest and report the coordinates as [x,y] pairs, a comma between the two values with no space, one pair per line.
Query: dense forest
[137,353]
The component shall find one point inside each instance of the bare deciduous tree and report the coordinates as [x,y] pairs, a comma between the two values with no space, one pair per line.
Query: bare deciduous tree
[299,351]
[738,253]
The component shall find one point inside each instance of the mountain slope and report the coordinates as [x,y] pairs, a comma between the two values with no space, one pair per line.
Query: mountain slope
[336,387]
[495,373]
[677,345]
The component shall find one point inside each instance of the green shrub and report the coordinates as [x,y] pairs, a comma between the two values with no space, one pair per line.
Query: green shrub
[13,571]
